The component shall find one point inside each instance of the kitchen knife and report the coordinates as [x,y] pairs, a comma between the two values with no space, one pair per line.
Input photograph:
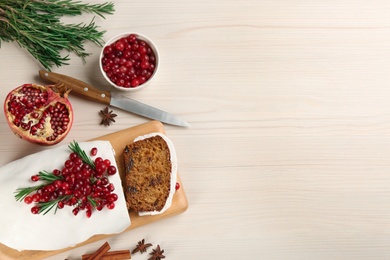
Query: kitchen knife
[111,98]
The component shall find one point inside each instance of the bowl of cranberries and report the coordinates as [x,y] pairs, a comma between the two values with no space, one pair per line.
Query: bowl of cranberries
[129,61]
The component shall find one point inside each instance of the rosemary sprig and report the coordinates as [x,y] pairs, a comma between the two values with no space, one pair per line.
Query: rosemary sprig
[75,147]
[45,176]
[21,193]
[35,25]
[45,207]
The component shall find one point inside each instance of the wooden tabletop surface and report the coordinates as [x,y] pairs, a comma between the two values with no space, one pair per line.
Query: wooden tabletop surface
[288,152]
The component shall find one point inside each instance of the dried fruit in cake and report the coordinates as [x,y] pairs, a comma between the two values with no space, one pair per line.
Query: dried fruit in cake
[150,174]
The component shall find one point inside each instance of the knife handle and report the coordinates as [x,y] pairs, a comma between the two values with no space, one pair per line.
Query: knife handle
[77,86]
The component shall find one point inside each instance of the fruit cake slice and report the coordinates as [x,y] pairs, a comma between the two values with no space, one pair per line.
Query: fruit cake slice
[150,174]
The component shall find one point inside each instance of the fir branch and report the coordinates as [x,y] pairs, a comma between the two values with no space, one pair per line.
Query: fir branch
[75,147]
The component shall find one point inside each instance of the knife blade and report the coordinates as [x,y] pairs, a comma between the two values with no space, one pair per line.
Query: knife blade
[111,98]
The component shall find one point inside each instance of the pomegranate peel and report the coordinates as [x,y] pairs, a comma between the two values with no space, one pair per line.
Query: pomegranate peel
[39,114]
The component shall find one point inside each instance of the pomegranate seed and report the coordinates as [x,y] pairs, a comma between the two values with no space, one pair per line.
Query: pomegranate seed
[78,194]
[68,164]
[100,168]
[114,197]
[65,171]
[94,151]
[65,186]
[111,205]
[56,172]
[53,195]
[36,197]
[28,200]
[50,188]
[111,170]
[57,184]
[111,187]
[107,162]
[88,213]
[60,204]
[75,211]
[77,162]
[73,156]
[177,186]
[73,201]
[35,210]
[35,178]
[45,197]
[98,160]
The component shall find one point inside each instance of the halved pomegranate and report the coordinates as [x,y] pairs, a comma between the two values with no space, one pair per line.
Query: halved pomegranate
[39,114]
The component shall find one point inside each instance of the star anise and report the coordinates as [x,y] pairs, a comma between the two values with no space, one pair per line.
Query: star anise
[157,254]
[141,247]
[107,116]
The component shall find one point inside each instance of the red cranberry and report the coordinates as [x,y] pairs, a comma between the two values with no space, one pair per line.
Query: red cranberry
[125,60]
[119,46]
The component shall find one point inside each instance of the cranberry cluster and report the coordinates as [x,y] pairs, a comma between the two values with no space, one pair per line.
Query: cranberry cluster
[77,184]
[129,61]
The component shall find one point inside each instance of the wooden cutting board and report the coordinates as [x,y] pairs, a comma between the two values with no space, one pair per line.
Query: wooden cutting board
[118,141]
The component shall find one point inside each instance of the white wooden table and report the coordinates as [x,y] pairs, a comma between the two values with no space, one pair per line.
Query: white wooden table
[288,153]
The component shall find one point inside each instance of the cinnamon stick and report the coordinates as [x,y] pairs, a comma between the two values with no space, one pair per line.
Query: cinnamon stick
[100,252]
[112,255]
